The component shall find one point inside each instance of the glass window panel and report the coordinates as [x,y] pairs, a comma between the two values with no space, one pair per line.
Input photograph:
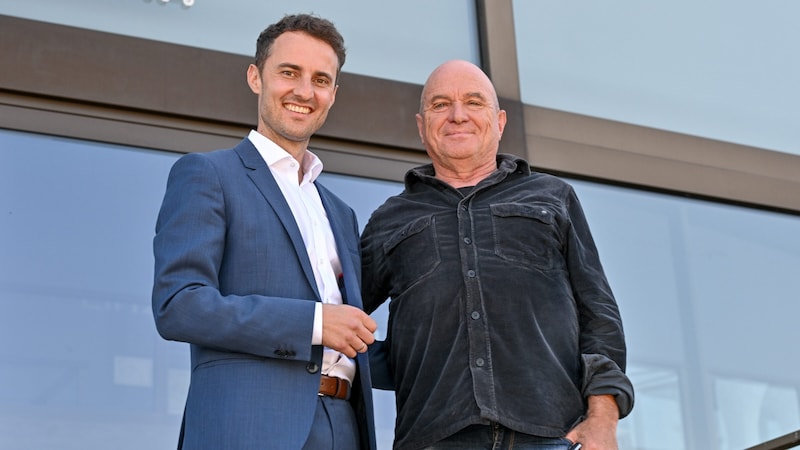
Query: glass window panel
[707,296]
[750,412]
[721,69]
[705,292]
[400,41]
[82,364]
[657,392]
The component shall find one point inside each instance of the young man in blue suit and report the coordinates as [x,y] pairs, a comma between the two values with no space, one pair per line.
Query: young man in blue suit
[257,267]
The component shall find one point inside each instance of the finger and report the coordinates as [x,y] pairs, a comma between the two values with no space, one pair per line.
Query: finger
[370,324]
[359,348]
[366,338]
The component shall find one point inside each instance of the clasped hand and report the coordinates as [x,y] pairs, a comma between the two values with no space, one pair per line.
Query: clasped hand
[347,329]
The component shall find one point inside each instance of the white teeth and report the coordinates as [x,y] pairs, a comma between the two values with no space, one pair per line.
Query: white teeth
[298,109]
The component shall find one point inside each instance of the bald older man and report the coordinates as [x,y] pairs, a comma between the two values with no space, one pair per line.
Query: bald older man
[503,330]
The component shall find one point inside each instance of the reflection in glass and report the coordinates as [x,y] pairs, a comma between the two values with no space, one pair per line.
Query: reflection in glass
[750,412]
[661,427]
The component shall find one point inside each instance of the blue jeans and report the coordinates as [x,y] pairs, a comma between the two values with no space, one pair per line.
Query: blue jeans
[497,437]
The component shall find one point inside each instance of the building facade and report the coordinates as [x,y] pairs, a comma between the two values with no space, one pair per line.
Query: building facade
[675,123]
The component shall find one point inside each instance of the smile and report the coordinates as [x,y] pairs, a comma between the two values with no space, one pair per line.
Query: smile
[298,109]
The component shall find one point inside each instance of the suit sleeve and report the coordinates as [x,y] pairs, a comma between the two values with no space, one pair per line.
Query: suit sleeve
[191,246]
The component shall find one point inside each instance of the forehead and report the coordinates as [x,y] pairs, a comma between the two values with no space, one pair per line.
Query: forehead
[455,84]
[301,49]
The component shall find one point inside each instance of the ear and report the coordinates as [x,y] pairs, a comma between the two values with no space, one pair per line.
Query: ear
[501,120]
[254,78]
[333,96]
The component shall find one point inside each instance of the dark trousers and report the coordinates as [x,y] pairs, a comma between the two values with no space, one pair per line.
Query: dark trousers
[335,426]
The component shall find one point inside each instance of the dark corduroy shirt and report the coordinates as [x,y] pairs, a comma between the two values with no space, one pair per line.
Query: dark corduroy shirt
[499,311]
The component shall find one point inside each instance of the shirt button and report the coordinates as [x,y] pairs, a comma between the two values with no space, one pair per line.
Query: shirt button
[475,315]
[471,273]
[479,362]
[467,240]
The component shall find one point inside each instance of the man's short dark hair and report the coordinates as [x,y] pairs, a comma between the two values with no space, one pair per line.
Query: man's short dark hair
[312,25]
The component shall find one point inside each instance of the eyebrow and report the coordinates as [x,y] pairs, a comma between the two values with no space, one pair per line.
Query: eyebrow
[468,95]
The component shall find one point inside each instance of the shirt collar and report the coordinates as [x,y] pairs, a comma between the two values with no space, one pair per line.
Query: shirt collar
[506,164]
[276,157]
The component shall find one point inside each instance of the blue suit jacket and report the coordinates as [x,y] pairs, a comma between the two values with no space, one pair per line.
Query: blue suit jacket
[233,279]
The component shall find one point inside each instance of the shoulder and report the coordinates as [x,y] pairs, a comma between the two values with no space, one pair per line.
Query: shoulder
[194,159]
[242,155]
[548,182]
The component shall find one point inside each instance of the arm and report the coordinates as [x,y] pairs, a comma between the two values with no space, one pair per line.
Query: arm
[602,340]
[221,268]
[374,275]
[373,295]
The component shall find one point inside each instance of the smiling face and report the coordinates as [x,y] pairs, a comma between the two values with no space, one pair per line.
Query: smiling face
[296,89]
[460,122]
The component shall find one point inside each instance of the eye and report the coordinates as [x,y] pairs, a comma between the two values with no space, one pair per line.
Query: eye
[439,106]
[288,73]
[322,82]
[475,104]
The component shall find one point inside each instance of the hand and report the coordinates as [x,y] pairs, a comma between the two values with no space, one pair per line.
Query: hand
[599,430]
[347,329]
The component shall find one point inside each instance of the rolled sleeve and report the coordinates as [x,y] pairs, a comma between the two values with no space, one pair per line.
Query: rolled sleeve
[601,375]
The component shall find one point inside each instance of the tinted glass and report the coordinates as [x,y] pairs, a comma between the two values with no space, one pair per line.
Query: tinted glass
[724,70]
[400,41]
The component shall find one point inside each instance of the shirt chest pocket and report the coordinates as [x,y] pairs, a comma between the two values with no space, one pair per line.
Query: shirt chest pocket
[527,234]
[412,253]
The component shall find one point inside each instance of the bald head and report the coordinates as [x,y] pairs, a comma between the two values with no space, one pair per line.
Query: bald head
[458,69]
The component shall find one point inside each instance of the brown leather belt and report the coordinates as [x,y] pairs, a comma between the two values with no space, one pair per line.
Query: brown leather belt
[334,387]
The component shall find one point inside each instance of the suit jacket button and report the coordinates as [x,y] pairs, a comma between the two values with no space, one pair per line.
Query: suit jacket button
[312,367]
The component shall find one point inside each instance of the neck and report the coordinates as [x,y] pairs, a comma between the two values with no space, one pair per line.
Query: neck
[459,177]
[295,148]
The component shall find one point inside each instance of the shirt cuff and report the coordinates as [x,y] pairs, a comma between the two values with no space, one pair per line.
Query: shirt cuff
[316,336]
[603,376]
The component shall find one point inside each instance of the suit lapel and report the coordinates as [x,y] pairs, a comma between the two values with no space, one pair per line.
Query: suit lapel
[265,182]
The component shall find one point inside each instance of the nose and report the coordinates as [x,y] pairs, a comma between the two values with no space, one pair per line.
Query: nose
[458,113]
[304,88]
